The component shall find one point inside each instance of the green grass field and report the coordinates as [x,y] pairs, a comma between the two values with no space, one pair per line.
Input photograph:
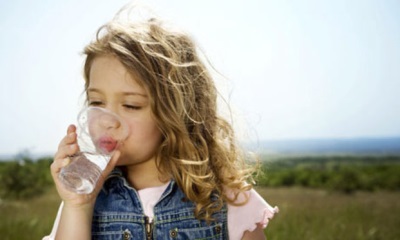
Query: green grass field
[28,219]
[321,215]
[304,214]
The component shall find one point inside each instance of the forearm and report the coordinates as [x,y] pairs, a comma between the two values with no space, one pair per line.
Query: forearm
[257,234]
[75,223]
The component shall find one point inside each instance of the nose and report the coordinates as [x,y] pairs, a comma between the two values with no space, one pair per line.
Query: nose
[108,121]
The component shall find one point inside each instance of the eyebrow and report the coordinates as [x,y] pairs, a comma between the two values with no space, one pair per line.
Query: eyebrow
[95,90]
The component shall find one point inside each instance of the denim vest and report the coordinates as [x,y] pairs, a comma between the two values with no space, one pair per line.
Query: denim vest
[118,214]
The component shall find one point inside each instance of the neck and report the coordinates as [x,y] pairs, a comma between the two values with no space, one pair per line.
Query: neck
[144,175]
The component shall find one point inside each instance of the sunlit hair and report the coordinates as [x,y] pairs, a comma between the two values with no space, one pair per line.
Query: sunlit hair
[198,150]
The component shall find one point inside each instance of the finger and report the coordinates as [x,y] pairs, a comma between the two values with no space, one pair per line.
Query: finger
[66,150]
[58,164]
[71,128]
[70,138]
[113,161]
[68,145]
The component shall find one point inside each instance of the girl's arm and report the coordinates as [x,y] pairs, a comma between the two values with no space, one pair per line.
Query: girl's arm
[249,221]
[257,234]
[75,222]
[76,215]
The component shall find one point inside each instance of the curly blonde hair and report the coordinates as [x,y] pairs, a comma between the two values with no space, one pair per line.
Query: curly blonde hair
[199,150]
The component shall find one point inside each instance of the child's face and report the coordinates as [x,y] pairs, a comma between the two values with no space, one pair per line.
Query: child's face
[113,88]
[106,129]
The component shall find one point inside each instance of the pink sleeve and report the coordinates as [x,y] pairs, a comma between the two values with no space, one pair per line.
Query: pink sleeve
[52,235]
[247,217]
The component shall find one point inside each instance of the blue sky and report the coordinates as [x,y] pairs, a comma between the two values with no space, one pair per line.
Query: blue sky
[294,69]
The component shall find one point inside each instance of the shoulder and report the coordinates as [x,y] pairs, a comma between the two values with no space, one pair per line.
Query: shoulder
[254,214]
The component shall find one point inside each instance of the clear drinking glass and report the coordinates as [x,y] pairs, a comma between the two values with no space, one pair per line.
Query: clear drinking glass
[100,132]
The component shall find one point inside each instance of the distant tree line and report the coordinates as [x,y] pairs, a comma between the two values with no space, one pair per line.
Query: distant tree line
[24,178]
[337,173]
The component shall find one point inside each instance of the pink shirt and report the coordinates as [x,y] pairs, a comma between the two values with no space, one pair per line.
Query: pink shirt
[240,218]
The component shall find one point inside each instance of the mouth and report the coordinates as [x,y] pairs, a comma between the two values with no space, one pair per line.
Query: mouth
[107,144]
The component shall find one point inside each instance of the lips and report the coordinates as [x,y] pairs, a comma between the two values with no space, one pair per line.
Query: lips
[107,144]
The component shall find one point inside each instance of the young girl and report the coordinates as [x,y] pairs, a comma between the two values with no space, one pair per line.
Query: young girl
[179,174]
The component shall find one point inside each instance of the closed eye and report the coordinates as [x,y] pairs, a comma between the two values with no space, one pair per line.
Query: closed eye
[95,103]
[131,107]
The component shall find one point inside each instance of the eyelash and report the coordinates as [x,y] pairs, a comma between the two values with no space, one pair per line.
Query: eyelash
[131,107]
[95,103]
[127,106]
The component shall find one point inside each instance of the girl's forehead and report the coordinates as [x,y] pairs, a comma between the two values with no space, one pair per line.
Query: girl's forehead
[108,73]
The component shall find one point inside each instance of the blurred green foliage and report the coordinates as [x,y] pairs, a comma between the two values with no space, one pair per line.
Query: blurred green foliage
[29,202]
[337,173]
[24,178]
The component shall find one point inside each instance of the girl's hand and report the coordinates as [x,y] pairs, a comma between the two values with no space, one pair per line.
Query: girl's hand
[67,147]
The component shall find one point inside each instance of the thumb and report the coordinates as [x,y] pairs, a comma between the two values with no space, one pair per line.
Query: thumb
[112,163]
[110,166]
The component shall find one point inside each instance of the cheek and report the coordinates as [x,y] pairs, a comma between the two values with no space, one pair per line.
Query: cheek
[144,134]
[93,131]
[94,124]
[142,143]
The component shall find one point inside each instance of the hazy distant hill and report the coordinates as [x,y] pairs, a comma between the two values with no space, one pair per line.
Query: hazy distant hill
[19,156]
[333,146]
[384,146]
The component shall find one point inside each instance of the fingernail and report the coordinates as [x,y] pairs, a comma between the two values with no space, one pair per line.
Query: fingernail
[66,161]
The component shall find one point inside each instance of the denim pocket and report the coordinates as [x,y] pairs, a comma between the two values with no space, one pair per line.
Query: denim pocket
[111,235]
[205,232]
[117,226]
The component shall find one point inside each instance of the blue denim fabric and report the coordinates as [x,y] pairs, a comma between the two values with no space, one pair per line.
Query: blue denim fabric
[118,214]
